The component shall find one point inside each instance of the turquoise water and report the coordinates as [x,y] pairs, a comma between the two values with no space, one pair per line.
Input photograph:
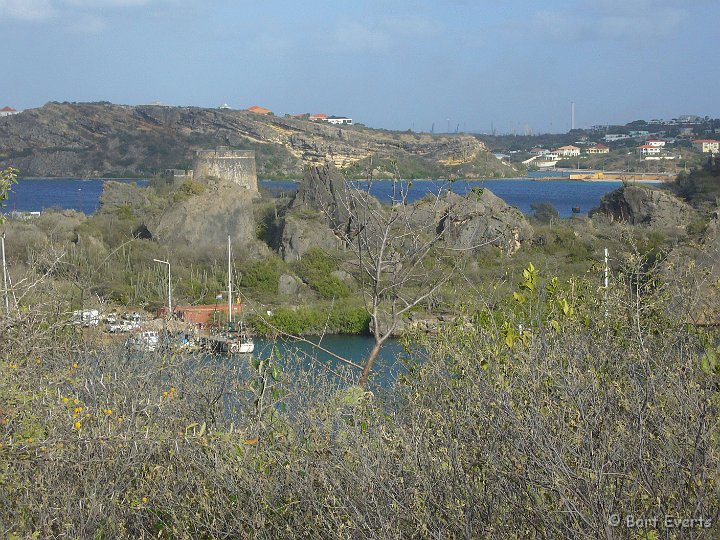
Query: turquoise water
[354,348]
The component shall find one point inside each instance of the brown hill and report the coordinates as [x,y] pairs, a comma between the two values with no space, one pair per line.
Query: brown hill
[96,139]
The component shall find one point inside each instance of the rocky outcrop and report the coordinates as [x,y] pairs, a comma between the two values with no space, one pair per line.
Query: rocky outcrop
[640,205]
[482,218]
[320,208]
[90,139]
[323,190]
[119,197]
[206,220]
[303,230]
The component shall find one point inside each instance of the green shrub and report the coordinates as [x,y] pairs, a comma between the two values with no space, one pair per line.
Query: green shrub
[189,188]
[337,319]
[315,268]
[263,276]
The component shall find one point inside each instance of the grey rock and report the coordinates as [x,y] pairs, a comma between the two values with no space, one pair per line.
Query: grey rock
[323,190]
[206,220]
[303,231]
[481,218]
[288,285]
[343,276]
[117,196]
[641,205]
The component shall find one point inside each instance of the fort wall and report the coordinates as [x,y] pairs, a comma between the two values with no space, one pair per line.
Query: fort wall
[237,166]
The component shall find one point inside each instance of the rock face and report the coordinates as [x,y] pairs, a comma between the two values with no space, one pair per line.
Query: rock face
[117,196]
[321,208]
[322,190]
[481,218]
[223,209]
[303,231]
[317,211]
[639,205]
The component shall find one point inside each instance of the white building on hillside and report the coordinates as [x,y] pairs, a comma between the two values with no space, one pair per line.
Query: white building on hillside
[568,151]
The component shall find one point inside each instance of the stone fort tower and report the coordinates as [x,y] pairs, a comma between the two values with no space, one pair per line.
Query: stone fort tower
[238,166]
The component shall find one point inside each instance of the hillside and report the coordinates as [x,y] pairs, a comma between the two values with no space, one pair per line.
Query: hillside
[102,139]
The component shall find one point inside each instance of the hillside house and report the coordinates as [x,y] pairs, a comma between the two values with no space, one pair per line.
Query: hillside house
[7,111]
[568,151]
[655,142]
[319,117]
[707,146]
[598,149]
[610,137]
[340,120]
[259,110]
[649,150]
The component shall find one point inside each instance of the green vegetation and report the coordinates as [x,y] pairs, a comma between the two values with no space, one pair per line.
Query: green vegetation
[189,188]
[523,416]
[542,406]
[315,268]
[544,212]
[7,179]
[701,187]
[263,276]
[342,318]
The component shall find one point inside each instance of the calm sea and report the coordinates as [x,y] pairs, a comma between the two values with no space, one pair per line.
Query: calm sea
[34,195]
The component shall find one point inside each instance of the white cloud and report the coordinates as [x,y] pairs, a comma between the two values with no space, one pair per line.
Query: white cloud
[29,10]
[100,4]
[37,10]
[629,20]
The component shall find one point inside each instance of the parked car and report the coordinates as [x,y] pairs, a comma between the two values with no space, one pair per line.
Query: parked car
[86,317]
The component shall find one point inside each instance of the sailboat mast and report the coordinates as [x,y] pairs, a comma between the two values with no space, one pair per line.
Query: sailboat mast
[229,286]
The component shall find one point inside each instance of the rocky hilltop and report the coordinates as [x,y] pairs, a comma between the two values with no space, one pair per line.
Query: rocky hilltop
[95,139]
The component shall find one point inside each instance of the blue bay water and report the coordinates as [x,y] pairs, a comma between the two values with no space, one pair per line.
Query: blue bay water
[34,195]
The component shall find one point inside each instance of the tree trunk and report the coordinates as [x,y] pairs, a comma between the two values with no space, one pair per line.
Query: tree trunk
[368,364]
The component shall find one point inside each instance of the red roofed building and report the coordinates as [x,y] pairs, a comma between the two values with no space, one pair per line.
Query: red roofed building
[259,110]
[319,117]
[7,111]
[203,314]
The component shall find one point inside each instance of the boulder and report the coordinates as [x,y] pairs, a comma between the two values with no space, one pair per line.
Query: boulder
[482,218]
[288,285]
[305,230]
[641,205]
[320,207]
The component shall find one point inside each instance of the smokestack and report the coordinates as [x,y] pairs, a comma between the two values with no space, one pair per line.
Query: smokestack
[572,115]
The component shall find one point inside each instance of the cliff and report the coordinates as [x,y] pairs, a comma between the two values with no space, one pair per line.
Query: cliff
[96,139]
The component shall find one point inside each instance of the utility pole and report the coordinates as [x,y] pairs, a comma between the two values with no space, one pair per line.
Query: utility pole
[605,270]
[169,286]
[5,277]
[229,288]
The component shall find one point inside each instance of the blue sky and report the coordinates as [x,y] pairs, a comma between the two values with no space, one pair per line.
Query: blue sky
[396,64]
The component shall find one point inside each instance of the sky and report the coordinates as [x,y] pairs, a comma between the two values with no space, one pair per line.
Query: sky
[472,65]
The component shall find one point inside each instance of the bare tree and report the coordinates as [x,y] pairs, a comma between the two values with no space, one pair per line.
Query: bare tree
[400,257]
